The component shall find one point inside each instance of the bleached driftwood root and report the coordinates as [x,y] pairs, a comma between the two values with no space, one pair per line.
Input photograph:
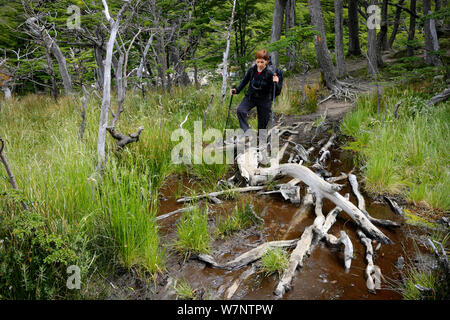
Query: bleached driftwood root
[247,257]
[307,243]
[166,215]
[373,272]
[235,285]
[219,193]
[319,187]
[362,205]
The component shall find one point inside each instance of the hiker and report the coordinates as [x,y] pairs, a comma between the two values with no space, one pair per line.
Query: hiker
[260,92]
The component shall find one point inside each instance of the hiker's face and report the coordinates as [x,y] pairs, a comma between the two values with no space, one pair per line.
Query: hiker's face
[261,63]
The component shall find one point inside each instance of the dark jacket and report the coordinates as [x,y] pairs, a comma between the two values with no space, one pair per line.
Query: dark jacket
[261,86]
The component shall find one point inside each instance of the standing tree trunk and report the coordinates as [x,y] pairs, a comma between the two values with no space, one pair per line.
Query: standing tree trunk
[52,46]
[398,14]
[142,63]
[106,101]
[353,28]
[226,54]
[277,22]
[290,23]
[339,38]
[54,87]
[382,42]
[372,45]
[412,27]
[431,40]
[320,44]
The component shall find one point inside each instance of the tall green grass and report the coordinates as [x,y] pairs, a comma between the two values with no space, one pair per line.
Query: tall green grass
[192,232]
[53,167]
[407,155]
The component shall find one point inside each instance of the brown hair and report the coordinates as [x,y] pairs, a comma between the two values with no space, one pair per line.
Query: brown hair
[262,54]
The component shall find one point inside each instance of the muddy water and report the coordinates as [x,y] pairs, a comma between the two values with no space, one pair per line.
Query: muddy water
[323,275]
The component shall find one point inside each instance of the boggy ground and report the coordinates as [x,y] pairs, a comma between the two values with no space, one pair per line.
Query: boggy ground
[323,275]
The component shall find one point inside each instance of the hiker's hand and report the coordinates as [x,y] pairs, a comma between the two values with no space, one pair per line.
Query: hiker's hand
[233,91]
[275,79]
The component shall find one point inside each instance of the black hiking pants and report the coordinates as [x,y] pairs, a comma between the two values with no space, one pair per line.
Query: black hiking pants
[263,108]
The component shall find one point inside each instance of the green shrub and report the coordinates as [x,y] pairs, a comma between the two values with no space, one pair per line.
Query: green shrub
[34,260]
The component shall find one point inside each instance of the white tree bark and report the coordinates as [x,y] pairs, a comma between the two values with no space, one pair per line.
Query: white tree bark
[106,101]
[51,44]
[226,54]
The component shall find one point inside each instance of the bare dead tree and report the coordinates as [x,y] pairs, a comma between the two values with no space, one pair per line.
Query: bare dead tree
[39,31]
[226,54]
[11,178]
[106,100]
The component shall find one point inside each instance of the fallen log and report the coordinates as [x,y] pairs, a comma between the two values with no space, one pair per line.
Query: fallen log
[442,96]
[233,288]
[248,165]
[247,257]
[166,215]
[219,193]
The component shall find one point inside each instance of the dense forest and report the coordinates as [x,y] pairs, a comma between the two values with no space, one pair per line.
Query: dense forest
[101,98]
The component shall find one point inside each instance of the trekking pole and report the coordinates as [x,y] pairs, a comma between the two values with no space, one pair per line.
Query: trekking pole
[273,100]
[229,109]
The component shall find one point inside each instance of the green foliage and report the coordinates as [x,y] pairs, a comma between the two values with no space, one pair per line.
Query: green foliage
[34,260]
[404,155]
[274,261]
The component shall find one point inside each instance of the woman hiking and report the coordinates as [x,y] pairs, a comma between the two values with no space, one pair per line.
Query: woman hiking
[260,92]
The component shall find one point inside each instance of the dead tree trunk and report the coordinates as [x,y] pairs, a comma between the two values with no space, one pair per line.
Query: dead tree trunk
[226,54]
[339,38]
[51,44]
[320,43]
[412,27]
[353,28]
[431,39]
[12,179]
[142,63]
[106,101]
[277,22]
[54,87]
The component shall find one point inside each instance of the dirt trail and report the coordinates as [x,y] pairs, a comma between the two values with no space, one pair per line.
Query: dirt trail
[337,108]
